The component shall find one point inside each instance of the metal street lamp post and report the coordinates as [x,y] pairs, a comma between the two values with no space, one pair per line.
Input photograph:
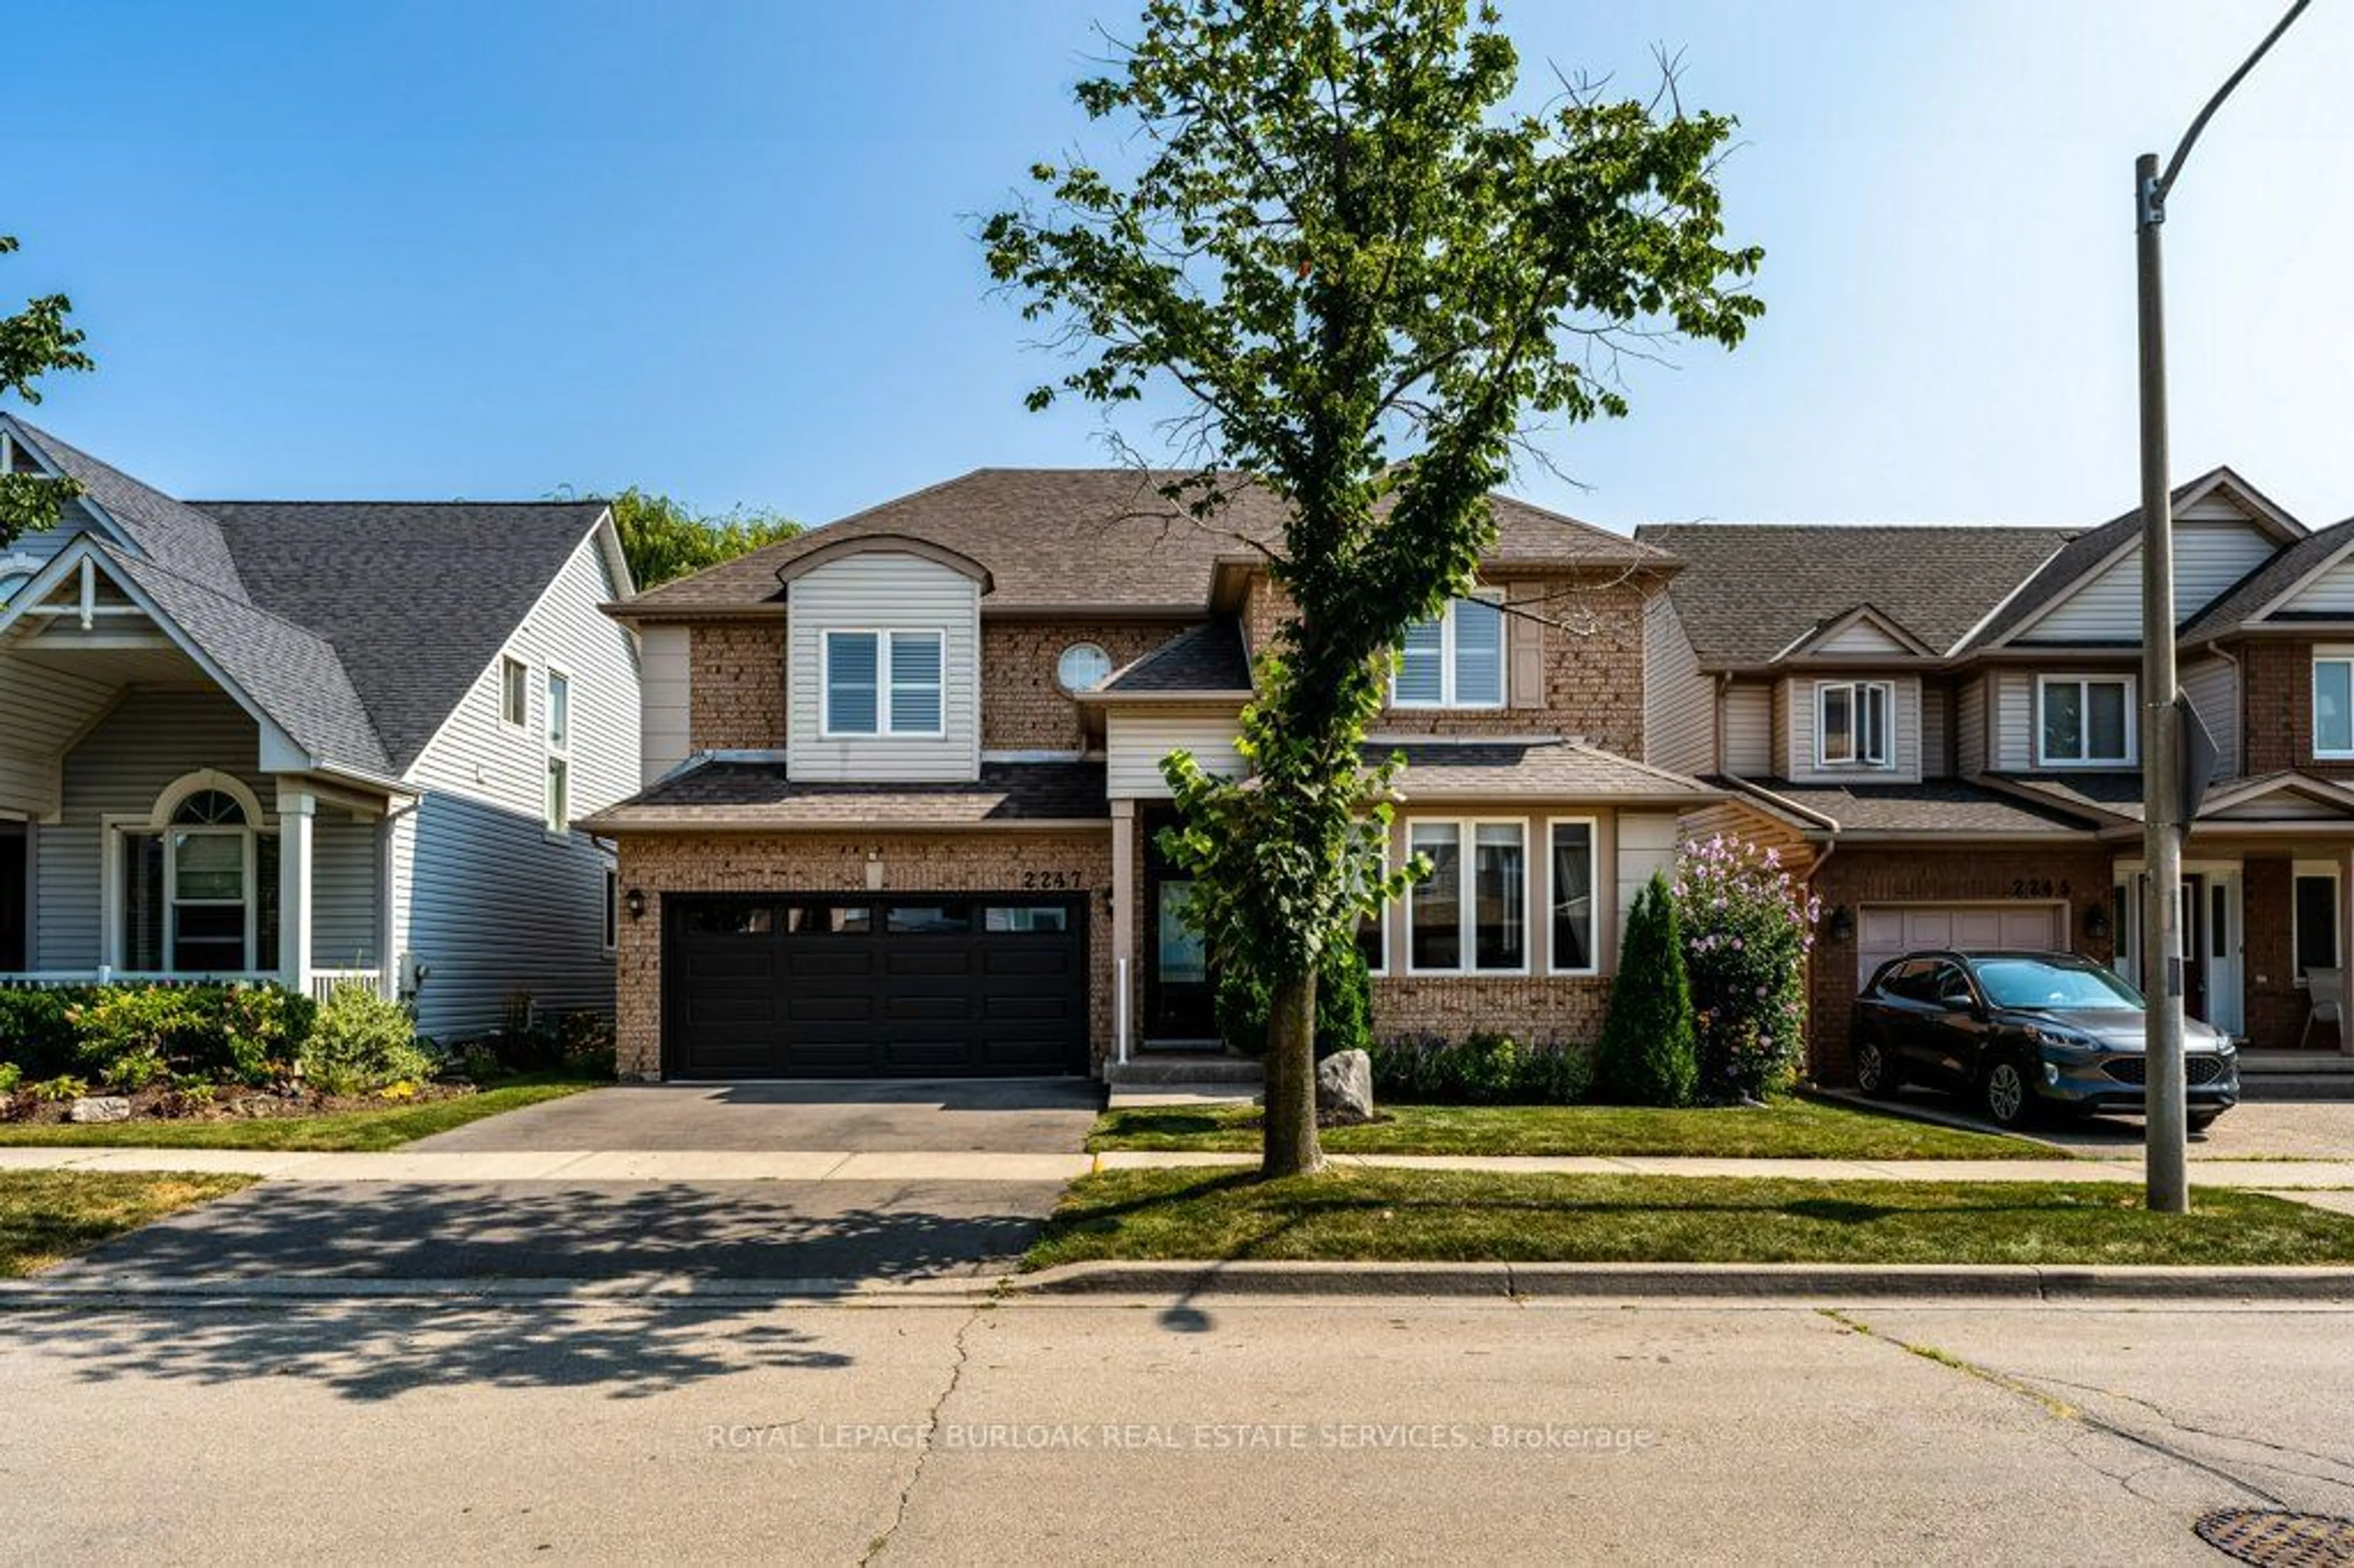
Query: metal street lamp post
[2163,785]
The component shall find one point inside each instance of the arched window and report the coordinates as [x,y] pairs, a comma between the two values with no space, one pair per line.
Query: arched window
[199,887]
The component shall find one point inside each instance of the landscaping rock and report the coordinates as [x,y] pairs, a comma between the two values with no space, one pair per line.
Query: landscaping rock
[1345,1084]
[100,1107]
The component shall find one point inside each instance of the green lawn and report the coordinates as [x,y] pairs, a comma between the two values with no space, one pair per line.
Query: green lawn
[1787,1129]
[358,1131]
[48,1216]
[1374,1216]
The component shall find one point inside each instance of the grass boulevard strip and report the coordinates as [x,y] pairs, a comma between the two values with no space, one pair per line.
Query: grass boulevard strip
[1447,1216]
[1788,1128]
[47,1216]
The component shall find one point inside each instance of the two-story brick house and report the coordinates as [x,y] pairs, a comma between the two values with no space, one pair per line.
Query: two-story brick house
[903,783]
[1941,724]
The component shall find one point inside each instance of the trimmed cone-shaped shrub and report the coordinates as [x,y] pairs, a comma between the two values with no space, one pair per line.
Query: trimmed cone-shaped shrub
[1646,1056]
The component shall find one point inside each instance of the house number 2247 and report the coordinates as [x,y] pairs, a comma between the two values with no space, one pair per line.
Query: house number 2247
[1050,881]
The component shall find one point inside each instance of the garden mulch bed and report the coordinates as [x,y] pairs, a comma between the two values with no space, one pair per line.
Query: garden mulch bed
[229,1104]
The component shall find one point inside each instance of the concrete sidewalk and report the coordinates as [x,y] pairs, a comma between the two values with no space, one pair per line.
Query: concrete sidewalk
[689,1165]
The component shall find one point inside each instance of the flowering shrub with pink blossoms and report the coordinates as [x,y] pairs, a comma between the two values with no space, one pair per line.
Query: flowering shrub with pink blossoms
[1747,925]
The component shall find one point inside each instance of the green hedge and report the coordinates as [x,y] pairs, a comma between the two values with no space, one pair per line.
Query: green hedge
[1490,1068]
[127,1038]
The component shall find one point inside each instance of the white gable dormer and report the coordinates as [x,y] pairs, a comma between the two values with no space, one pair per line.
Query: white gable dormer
[2222,531]
[883,647]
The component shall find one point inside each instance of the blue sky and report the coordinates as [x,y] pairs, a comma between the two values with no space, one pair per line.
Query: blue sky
[725,249]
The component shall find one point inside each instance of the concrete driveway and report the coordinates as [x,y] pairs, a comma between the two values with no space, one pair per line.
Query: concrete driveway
[1000,1116]
[2253,1129]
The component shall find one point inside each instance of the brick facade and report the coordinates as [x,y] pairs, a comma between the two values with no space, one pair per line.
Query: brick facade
[657,865]
[1538,1008]
[1853,876]
[735,692]
[2276,710]
[2274,1007]
[1022,706]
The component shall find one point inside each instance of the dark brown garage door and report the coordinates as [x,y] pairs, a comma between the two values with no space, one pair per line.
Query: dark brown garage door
[912,985]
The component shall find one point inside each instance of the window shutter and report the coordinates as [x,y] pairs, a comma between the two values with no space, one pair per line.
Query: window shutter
[1524,686]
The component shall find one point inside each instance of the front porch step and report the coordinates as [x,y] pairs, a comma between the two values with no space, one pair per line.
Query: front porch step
[1188,1067]
[2298,1064]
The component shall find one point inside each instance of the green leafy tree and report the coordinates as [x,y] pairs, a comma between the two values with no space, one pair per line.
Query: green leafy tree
[1365,279]
[1646,1055]
[33,342]
[664,540]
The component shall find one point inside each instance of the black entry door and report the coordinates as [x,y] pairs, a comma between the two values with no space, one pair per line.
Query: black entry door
[14,894]
[908,985]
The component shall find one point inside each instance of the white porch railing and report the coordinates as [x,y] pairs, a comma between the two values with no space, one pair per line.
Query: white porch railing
[323,981]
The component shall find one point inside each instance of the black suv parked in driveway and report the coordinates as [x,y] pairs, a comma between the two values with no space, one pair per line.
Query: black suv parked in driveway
[2023,1033]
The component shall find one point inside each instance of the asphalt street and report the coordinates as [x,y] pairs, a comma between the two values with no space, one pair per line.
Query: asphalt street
[1202,1431]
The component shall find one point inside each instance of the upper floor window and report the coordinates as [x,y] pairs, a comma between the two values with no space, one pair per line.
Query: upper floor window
[559,751]
[515,692]
[2333,706]
[883,682]
[2085,720]
[1454,661]
[1851,724]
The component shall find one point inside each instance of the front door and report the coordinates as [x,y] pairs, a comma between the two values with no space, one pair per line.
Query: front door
[14,894]
[2194,947]
[1180,1003]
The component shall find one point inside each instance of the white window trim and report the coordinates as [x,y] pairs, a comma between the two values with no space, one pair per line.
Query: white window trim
[550,752]
[115,826]
[1447,698]
[1382,917]
[884,636]
[1465,921]
[1594,892]
[511,726]
[2297,871]
[1824,761]
[2327,655]
[2132,725]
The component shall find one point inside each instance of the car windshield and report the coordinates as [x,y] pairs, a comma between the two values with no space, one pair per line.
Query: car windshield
[2037,984]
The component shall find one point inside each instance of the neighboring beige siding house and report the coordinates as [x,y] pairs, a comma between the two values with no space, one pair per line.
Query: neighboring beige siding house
[903,784]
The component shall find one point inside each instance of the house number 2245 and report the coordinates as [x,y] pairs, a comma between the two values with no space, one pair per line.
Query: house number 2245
[2038,887]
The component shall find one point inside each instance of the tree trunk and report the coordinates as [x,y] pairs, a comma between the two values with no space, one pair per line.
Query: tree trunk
[1291,1147]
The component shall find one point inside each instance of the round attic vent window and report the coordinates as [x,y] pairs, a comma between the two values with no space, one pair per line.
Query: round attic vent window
[1081,666]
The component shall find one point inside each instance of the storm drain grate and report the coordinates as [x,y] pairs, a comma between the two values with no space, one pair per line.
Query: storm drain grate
[2276,1539]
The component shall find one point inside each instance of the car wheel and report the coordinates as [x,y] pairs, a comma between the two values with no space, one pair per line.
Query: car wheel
[2006,1095]
[1873,1073]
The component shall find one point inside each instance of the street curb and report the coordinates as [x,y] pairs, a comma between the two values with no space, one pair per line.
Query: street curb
[40,1295]
[1800,1281]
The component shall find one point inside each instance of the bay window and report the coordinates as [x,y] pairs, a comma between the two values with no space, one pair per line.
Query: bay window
[1455,661]
[1470,914]
[1851,724]
[2085,721]
[883,682]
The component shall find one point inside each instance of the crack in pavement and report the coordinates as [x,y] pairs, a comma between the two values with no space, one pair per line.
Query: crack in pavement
[2061,1410]
[2345,1470]
[881,1543]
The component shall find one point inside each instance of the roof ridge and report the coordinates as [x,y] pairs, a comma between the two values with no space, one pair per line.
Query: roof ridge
[361,501]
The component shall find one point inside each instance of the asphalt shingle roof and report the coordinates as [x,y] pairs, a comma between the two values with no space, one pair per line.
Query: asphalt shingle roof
[1938,808]
[1558,769]
[1205,658]
[417,597]
[293,673]
[1065,537]
[1748,590]
[170,533]
[752,795]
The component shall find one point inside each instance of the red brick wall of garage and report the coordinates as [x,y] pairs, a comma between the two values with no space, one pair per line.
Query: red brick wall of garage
[660,864]
[735,686]
[1853,876]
